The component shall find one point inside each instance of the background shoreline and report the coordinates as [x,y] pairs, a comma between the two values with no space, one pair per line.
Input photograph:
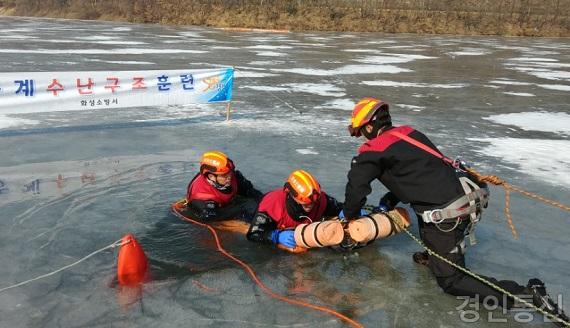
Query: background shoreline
[537,18]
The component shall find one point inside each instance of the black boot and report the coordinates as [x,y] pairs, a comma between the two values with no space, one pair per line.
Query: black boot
[541,299]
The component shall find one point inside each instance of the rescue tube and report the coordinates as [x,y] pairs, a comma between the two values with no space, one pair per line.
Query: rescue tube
[231,225]
[132,264]
[319,234]
[378,225]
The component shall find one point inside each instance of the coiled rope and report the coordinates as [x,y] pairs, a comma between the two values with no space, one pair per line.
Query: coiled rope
[113,245]
[254,276]
[495,180]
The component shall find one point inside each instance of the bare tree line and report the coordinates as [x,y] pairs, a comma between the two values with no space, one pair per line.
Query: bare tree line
[503,17]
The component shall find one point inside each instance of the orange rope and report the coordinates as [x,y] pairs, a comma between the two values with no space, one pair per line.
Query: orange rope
[493,179]
[258,281]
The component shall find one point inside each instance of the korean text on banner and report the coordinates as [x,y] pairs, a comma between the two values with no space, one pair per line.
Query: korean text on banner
[32,92]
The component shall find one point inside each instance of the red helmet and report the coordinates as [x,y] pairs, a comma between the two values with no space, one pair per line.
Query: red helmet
[215,162]
[303,187]
[363,113]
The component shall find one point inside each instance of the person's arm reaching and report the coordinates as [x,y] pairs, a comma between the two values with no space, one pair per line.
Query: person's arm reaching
[363,170]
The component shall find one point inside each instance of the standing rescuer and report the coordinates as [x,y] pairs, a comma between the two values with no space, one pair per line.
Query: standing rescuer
[219,191]
[301,200]
[447,201]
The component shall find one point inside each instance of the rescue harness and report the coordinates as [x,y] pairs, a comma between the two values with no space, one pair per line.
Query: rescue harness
[471,204]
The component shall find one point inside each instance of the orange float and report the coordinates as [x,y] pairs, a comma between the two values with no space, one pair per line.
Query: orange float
[132,264]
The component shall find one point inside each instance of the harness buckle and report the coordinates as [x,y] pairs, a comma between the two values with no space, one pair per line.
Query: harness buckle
[433,216]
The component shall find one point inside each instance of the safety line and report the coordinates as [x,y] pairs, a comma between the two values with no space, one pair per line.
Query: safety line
[270,93]
[481,279]
[495,180]
[256,279]
[113,245]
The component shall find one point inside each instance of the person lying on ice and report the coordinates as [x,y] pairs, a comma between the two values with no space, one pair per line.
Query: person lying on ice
[214,193]
[301,200]
[447,200]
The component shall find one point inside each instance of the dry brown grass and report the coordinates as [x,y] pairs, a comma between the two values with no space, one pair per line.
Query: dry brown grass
[487,17]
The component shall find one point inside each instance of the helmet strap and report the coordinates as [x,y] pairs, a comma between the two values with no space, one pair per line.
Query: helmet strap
[373,133]
[223,188]
[294,209]
[378,126]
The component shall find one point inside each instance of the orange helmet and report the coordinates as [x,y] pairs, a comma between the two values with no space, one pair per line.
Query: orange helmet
[303,187]
[215,162]
[363,113]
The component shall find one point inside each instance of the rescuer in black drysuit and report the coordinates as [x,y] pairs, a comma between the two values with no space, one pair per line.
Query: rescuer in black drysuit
[447,200]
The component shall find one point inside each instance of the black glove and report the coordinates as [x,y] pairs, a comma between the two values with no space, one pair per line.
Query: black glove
[209,210]
[388,201]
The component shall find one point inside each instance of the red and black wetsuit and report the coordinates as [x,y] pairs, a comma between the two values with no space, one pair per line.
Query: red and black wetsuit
[426,182]
[200,189]
[278,211]
[207,202]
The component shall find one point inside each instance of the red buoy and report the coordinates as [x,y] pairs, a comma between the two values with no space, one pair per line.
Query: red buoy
[132,265]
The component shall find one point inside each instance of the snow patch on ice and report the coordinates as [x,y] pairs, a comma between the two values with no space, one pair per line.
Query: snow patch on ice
[224,48]
[520,94]
[346,70]
[325,90]
[263,88]
[560,87]
[413,85]
[552,75]
[535,121]
[190,34]
[380,42]
[125,62]
[268,47]
[400,47]
[534,156]
[10,122]
[97,38]
[266,62]
[359,50]
[240,73]
[542,73]
[533,59]
[126,51]
[270,54]
[469,52]
[391,59]
[343,104]
[18,37]
[118,42]
[509,82]
[412,107]
[306,151]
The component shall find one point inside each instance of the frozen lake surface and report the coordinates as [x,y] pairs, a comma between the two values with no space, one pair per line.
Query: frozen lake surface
[74,182]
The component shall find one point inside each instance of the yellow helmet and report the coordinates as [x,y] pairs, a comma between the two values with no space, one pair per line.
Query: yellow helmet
[215,162]
[363,113]
[303,187]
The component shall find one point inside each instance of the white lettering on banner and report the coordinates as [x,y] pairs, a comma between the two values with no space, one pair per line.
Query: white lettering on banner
[32,92]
